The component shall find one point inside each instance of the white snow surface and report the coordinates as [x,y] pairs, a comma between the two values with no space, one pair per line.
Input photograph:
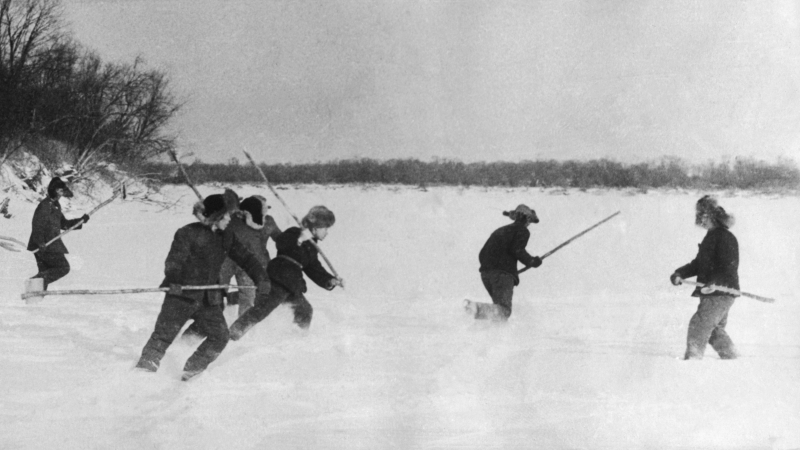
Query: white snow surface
[591,357]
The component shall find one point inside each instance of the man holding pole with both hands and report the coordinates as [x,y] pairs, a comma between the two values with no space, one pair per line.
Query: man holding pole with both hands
[47,223]
[195,258]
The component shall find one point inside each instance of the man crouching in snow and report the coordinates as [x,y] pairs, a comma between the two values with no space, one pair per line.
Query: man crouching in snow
[498,259]
[296,255]
[195,258]
[717,263]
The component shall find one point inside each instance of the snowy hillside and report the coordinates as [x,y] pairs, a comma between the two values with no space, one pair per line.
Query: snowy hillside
[591,357]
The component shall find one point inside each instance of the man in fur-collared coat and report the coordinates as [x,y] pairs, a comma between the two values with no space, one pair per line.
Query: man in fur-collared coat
[47,223]
[296,256]
[195,258]
[717,263]
[253,227]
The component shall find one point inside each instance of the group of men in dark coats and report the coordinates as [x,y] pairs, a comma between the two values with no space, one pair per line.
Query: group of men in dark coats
[229,239]
[196,258]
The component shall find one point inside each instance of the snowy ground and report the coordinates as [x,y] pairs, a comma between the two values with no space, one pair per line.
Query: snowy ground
[590,358]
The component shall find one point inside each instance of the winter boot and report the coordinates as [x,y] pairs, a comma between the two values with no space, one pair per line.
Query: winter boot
[145,365]
[470,307]
[189,374]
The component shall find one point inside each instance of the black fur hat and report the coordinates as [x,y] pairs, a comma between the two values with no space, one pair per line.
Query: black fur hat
[213,207]
[255,206]
[55,184]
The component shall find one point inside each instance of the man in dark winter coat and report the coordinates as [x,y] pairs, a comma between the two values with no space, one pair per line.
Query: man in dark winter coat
[295,256]
[716,263]
[253,227]
[48,222]
[195,258]
[498,257]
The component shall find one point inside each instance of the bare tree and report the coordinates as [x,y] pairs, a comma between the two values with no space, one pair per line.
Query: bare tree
[51,88]
[28,29]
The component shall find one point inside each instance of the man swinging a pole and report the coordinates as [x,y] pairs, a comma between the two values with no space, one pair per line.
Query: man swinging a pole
[47,224]
[498,257]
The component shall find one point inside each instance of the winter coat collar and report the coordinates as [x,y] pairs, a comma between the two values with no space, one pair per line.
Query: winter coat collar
[248,219]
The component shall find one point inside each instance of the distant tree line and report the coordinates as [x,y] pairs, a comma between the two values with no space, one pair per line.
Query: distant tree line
[62,103]
[739,173]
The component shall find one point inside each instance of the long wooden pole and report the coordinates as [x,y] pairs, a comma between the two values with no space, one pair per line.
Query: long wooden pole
[30,294]
[565,243]
[185,175]
[266,180]
[732,291]
[96,208]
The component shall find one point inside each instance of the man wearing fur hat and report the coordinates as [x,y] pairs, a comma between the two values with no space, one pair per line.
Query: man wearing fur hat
[195,258]
[716,263]
[48,222]
[296,255]
[498,258]
[253,227]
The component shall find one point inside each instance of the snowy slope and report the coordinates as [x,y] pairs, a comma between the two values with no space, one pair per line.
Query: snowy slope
[590,358]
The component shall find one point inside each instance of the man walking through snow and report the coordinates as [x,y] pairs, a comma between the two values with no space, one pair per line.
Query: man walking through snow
[498,257]
[717,263]
[195,258]
[47,223]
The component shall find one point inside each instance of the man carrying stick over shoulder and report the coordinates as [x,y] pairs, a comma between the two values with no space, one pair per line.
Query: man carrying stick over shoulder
[47,223]
[195,258]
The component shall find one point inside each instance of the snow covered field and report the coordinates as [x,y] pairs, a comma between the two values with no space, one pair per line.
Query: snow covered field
[591,357]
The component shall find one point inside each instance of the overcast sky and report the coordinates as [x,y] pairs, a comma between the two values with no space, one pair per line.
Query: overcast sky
[307,80]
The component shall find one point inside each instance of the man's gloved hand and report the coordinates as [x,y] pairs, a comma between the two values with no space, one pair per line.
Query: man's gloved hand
[175,289]
[676,279]
[536,262]
[263,287]
[262,290]
[85,218]
[305,235]
[337,282]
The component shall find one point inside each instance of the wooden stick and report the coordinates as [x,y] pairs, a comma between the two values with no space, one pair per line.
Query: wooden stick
[264,176]
[185,175]
[128,291]
[80,222]
[731,291]
[564,244]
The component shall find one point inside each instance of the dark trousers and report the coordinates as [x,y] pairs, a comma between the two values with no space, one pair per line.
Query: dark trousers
[708,326]
[500,286]
[266,304]
[52,266]
[175,312]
